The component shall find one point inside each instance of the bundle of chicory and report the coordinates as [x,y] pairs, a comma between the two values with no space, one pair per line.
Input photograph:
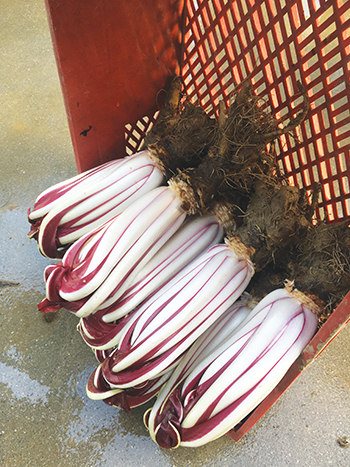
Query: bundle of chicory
[65,212]
[101,328]
[156,292]
[168,323]
[211,392]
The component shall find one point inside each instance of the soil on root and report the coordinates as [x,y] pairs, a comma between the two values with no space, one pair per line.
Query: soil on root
[183,132]
[276,217]
[238,158]
[321,263]
[318,265]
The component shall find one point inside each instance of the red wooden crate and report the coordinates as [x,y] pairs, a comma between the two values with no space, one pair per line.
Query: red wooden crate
[114,59]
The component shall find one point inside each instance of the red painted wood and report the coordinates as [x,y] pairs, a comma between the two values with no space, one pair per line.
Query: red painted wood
[113,57]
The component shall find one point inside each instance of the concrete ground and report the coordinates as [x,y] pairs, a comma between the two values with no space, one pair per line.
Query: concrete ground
[46,418]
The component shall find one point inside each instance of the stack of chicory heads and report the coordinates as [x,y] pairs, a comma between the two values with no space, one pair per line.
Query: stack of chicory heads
[97,387]
[168,323]
[101,329]
[196,235]
[67,211]
[98,268]
[209,393]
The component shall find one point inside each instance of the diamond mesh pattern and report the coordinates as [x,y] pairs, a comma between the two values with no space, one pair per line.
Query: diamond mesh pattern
[134,135]
[275,43]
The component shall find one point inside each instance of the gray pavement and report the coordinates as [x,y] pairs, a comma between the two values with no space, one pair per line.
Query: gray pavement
[46,418]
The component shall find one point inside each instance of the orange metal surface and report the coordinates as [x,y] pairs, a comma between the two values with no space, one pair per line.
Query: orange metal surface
[114,58]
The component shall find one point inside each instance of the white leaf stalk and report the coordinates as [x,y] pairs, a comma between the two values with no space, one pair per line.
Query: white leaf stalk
[68,211]
[200,405]
[167,324]
[197,234]
[104,262]
[61,191]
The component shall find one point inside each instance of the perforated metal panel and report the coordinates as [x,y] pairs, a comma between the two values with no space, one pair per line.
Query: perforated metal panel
[274,43]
